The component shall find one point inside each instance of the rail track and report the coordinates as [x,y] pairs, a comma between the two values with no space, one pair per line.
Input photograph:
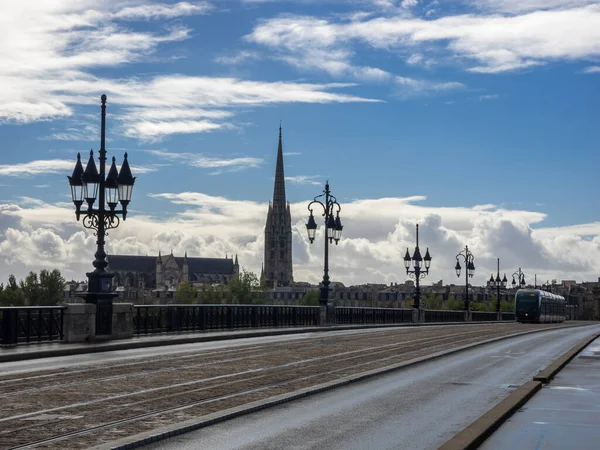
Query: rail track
[137,396]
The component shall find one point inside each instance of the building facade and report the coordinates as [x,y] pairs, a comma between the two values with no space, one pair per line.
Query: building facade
[277,268]
[164,272]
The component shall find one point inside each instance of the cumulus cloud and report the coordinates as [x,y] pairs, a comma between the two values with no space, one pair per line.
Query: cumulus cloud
[39,235]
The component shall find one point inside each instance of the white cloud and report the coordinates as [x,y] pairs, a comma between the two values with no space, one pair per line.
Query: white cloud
[36,167]
[238,58]
[376,233]
[487,43]
[521,6]
[157,11]
[50,49]
[592,69]
[304,179]
[488,97]
[201,161]
[411,87]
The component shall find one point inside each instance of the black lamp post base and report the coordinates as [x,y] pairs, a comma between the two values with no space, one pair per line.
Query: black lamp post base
[100,294]
[327,309]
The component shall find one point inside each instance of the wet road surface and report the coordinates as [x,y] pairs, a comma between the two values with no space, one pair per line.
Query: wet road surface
[415,408]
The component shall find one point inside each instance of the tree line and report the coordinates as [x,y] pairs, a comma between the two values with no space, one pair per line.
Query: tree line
[45,289]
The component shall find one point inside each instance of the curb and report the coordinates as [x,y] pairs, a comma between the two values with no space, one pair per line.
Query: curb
[478,431]
[550,372]
[172,430]
[97,348]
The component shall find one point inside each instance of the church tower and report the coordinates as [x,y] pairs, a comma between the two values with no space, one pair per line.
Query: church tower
[278,232]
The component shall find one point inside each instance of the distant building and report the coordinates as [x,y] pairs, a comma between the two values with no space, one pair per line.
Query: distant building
[277,268]
[164,272]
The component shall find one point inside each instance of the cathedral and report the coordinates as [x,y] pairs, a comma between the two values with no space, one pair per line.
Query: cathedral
[277,267]
[164,272]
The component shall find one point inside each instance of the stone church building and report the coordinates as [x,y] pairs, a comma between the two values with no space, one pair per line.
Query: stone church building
[277,268]
[164,272]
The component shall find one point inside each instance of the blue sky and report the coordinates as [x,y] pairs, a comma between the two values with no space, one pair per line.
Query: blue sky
[488,108]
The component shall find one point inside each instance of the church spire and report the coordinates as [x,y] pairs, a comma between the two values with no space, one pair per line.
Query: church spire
[279,190]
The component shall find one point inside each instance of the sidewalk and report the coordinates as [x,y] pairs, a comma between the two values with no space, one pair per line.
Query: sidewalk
[23,352]
[564,414]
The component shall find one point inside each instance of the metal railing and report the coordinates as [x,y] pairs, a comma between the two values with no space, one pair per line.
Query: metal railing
[483,316]
[508,316]
[150,319]
[345,315]
[31,324]
[442,315]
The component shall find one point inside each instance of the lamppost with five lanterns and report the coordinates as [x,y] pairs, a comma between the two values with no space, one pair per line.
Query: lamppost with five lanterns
[116,187]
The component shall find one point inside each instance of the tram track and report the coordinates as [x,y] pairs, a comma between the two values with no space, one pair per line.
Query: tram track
[15,392]
[201,396]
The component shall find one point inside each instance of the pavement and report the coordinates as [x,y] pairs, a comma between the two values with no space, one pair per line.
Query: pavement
[564,414]
[23,352]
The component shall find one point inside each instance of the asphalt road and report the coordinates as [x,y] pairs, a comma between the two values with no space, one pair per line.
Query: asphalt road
[416,408]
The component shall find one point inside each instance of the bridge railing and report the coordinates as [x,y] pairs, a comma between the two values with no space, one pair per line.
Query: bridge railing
[483,316]
[355,316]
[432,315]
[31,324]
[151,319]
[508,316]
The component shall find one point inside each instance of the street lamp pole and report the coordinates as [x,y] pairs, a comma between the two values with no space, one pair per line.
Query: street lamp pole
[520,276]
[468,258]
[417,273]
[116,187]
[498,283]
[333,232]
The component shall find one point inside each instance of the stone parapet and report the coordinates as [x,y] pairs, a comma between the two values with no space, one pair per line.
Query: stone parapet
[122,321]
[79,322]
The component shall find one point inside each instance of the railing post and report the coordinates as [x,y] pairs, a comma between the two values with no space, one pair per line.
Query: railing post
[203,318]
[40,325]
[28,327]
[230,313]
[51,327]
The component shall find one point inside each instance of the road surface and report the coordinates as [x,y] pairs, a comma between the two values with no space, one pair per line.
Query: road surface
[415,408]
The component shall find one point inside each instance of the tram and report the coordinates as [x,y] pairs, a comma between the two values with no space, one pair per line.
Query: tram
[534,305]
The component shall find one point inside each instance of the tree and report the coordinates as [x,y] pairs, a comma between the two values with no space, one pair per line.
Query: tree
[12,295]
[246,289]
[454,305]
[52,285]
[207,294]
[185,293]
[431,301]
[32,290]
[507,306]
[311,298]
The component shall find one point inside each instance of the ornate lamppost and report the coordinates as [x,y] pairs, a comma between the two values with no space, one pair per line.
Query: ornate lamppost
[417,272]
[498,284]
[110,190]
[521,277]
[468,258]
[333,233]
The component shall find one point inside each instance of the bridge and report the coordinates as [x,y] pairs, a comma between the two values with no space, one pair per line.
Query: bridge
[346,386]
[79,322]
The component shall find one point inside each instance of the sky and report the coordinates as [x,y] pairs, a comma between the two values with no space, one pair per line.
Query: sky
[477,119]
